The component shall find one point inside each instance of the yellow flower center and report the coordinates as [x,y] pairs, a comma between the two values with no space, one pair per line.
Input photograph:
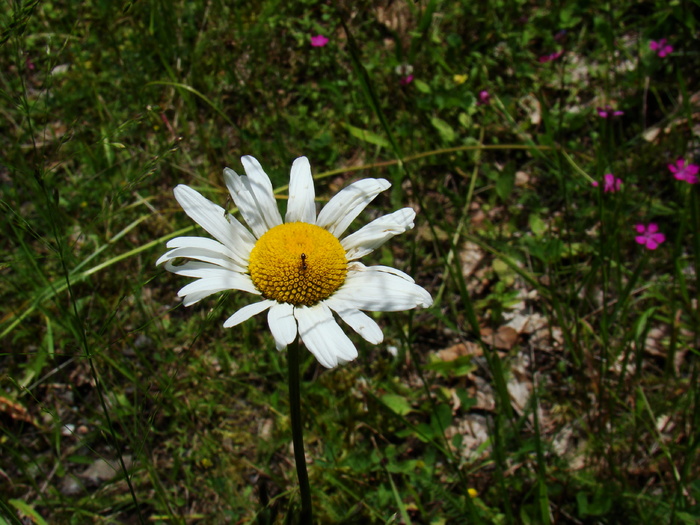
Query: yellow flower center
[298,263]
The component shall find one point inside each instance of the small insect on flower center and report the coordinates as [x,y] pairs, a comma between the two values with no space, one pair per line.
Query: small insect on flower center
[298,263]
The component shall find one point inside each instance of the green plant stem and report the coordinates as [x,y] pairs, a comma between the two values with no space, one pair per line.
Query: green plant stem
[298,432]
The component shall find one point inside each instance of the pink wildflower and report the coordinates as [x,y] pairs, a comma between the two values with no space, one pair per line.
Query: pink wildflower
[610,183]
[649,235]
[685,171]
[662,49]
[318,41]
[552,56]
[608,112]
[405,81]
[484,98]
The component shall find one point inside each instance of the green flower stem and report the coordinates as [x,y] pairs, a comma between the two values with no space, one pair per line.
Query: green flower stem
[298,431]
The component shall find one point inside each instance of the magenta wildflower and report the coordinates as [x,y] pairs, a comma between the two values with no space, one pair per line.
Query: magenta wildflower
[552,56]
[649,235]
[662,49]
[610,183]
[685,171]
[608,112]
[318,41]
[406,73]
[484,98]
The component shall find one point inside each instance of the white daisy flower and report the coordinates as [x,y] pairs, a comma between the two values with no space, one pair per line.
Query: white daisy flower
[302,267]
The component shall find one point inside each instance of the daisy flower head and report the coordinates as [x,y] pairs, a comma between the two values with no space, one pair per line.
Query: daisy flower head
[649,235]
[685,171]
[302,267]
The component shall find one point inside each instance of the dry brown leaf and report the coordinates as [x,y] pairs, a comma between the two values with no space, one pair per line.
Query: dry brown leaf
[651,134]
[471,256]
[503,339]
[103,470]
[460,349]
[475,431]
[521,178]
[14,410]
[519,392]
[483,393]
[520,323]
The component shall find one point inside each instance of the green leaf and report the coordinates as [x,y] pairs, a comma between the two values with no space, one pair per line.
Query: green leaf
[599,505]
[441,418]
[421,86]
[424,432]
[397,404]
[28,511]
[367,136]
[504,184]
[546,250]
[455,368]
[444,129]
[537,224]
[505,273]
[465,398]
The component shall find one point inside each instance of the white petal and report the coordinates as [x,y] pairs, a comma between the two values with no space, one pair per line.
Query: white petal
[373,235]
[195,297]
[204,243]
[208,256]
[199,269]
[280,319]
[322,335]
[254,196]
[357,266]
[218,283]
[242,233]
[348,203]
[262,188]
[238,249]
[380,268]
[378,290]
[201,288]
[212,283]
[301,206]
[358,321]
[204,270]
[247,312]
[213,219]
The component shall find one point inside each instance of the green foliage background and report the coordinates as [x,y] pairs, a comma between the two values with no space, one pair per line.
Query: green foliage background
[120,406]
